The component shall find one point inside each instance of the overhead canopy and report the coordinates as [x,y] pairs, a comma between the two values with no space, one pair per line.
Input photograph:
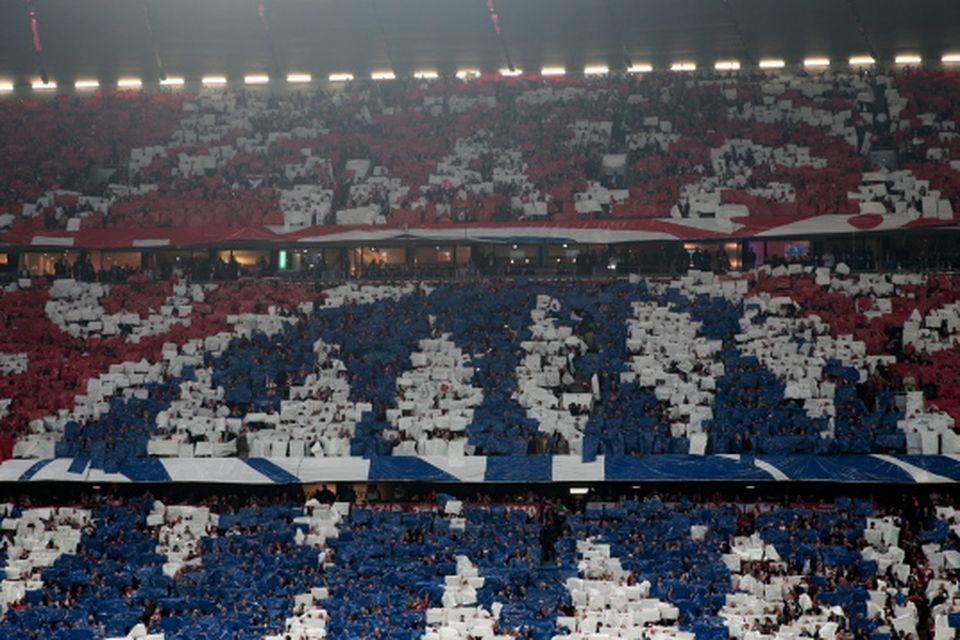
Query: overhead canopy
[107,39]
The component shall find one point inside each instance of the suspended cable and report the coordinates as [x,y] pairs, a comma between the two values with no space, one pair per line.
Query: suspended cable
[384,37]
[265,25]
[744,48]
[618,33]
[37,45]
[495,20]
[148,25]
[858,22]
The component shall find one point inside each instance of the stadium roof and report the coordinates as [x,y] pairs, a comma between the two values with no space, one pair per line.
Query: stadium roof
[108,39]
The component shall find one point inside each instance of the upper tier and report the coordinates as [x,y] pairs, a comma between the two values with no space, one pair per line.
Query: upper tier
[711,156]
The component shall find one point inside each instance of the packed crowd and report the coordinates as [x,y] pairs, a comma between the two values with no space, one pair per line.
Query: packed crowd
[667,568]
[775,361]
[421,152]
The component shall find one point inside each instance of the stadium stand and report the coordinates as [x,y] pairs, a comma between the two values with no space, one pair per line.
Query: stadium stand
[770,148]
[656,568]
[797,360]
[640,356]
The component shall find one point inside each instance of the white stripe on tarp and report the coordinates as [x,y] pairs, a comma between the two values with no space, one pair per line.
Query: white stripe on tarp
[99,475]
[51,241]
[574,469]
[338,469]
[832,223]
[355,235]
[463,468]
[505,234]
[58,469]
[759,464]
[696,225]
[920,476]
[769,468]
[12,469]
[149,242]
[213,470]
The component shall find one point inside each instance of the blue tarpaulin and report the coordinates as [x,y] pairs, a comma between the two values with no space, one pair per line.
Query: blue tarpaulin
[900,469]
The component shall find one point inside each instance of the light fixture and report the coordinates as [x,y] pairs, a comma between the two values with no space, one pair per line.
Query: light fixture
[640,68]
[579,491]
[424,74]
[86,84]
[950,57]
[772,63]
[129,83]
[861,60]
[727,65]
[683,66]
[299,77]
[6,86]
[213,80]
[510,73]
[172,82]
[41,86]
[598,70]
[463,74]
[908,58]
[256,79]
[341,77]
[553,71]
[383,75]
[816,62]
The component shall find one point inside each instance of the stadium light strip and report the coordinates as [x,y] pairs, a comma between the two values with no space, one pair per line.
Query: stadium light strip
[908,59]
[6,86]
[726,65]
